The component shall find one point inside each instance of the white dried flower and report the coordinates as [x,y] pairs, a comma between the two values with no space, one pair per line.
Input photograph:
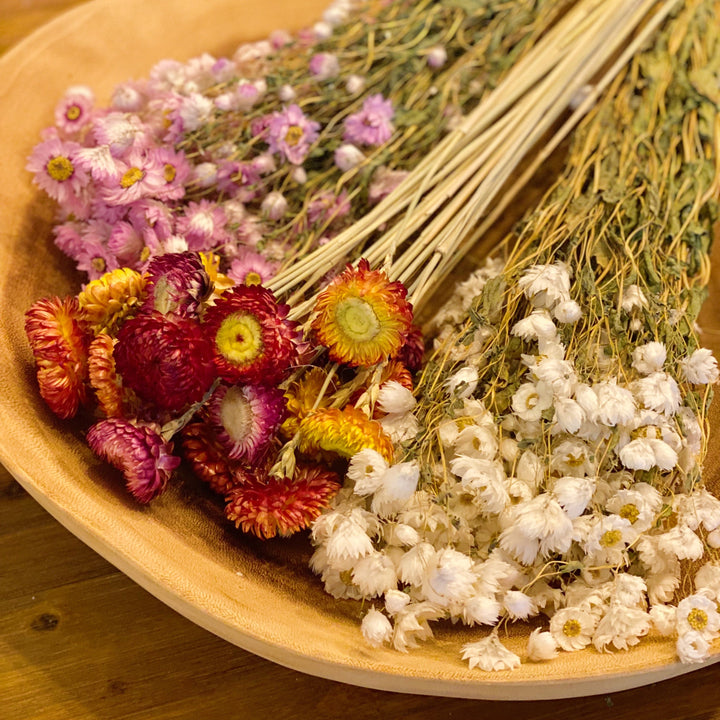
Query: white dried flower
[569,415]
[635,507]
[436,57]
[322,30]
[692,647]
[274,205]
[411,625]
[376,628]
[707,581]
[375,574]
[462,384]
[539,324]
[481,610]
[659,392]
[348,156]
[489,654]
[398,485]
[546,285]
[394,398]
[628,591]
[366,470]
[519,605]
[348,541]
[298,175]
[573,493]
[401,534]
[396,601]
[530,469]
[697,507]
[567,311]
[530,400]
[572,457]
[541,646]
[572,628]
[699,613]
[664,619]
[681,542]
[645,453]
[608,539]
[621,627]
[355,84]
[400,427]
[616,404]
[633,297]
[477,441]
[701,367]
[414,563]
[649,358]
[557,373]
[449,579]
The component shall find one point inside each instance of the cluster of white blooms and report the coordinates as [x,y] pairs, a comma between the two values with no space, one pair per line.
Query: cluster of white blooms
[547,508]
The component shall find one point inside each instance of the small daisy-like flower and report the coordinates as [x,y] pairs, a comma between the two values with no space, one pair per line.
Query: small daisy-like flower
[539,324]
[290,133]
[274,205]
[139,451]
[344,432]
[203,225]
[572,457]
[644,453]
[699,613]
[362,317]
[252,268]
[175,170]
[621,627]
[397,486]
[177,284]
[253,341]
[489,654]
[208,458]
[462,383]
[57,335]
[372,125]
[56,171]
[272,506]
[167,362]
[245,419]
[701,367]
[530,400]
[573,628]
[108,300]
[366,470]
[137,176]
[73,112]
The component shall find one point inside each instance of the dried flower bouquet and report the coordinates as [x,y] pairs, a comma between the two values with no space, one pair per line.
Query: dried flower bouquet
[214,206]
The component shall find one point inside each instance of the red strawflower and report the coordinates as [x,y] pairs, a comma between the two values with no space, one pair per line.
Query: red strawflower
[208,459]
[413,349]
[267,506]
[59,342]
[166,361]
[253,341]
[139,451]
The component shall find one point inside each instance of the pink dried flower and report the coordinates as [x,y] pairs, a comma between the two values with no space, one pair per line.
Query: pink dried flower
[73,112]
[128,246]
[251,268]
[274,205]
[139,451]
[176,284]
[324,66]
[436,57]
[372,125]
[383,182]
[203,225]
[175,171]
[245,419]
[137,176]
[290,133]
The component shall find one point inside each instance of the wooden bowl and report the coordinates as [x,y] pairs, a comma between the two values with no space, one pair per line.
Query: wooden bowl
[260,596]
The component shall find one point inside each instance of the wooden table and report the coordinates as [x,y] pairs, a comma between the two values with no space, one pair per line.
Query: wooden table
[80,640]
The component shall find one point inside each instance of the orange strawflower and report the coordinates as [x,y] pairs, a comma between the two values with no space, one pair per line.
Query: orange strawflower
[362,317]
[344,432]
[59,342]
[107,301]
[301,397]
[266,506]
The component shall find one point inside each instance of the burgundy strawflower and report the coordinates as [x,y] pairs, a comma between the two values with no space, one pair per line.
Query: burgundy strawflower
[245,419]
[166,361]
[268,506]
[411,353]
[176,284]
[253,341]
[139,451]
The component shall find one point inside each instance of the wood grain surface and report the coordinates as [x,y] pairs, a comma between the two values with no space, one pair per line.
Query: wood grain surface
[78,639]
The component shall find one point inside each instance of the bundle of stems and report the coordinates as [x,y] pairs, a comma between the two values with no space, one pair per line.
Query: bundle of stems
[433,215]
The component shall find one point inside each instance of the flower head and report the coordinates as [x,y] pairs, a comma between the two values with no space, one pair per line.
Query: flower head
[177,283]
[362,317]
[267,507]
[701,367]
[290,133]
[245,419]
[372,125]
[73,112]
[167,362]
[108,300]
[253,341]
[139,451]
[345,432]
[57,335]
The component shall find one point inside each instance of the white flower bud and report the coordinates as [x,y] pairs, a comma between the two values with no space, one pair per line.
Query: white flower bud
[376,628]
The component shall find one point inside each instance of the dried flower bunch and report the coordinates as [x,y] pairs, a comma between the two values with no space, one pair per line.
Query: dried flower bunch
[556,467]
[549,459]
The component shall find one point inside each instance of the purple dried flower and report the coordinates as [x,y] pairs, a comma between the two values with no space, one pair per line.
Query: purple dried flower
[290,134]
[372,125]
[139,451]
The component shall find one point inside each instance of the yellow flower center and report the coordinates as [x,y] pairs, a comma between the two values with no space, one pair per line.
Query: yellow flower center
[239,338]
[169,172]
[236,414]
[531,400]
[369,469]
[60,168]
[253,278]
[293,135]
[629,512]
[130,177]
[610,538]
[574,460]
[572,628]
[697,619]
[357,319]
[73,112]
